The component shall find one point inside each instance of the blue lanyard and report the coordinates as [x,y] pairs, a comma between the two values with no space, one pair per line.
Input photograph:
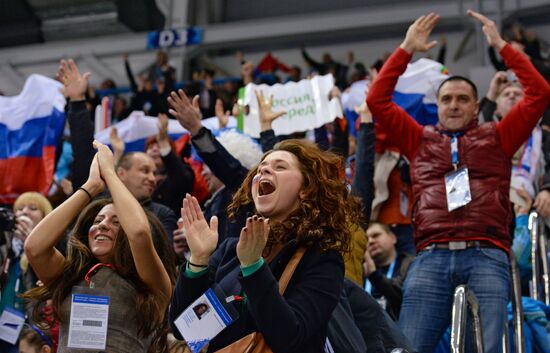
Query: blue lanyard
[389,275]
[454,151]
[454,146]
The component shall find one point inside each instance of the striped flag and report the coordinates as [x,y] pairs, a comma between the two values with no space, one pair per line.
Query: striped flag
[135,130]
[30,127]
[416,90]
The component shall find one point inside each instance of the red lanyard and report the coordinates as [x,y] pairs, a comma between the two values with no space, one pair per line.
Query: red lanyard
[92,271]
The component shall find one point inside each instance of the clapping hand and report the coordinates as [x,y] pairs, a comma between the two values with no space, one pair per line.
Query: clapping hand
[95,183]
[252,240]
[202,239]
[74,83]
[105,160]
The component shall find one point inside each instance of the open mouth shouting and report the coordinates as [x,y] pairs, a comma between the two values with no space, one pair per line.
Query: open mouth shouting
[265,187]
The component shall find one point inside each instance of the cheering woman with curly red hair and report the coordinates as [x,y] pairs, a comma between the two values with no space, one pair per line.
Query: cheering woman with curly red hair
[300,201]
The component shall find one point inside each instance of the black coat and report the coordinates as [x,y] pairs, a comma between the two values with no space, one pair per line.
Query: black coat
[296,322]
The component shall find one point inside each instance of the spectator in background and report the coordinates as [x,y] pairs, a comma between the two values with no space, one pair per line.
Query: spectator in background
[207,94]
[203,87]
[503,94]
[174,177]
[120,110]
[144,96]
[29,209]
[295,74]
[135,169]
[521,44]
[328,65]
[385,269]
[162,71]
[34,340]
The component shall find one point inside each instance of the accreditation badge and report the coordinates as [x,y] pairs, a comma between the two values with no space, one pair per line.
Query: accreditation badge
[204,319]
[457,186]
[89,319]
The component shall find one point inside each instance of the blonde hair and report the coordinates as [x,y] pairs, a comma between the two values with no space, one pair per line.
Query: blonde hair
[33,198]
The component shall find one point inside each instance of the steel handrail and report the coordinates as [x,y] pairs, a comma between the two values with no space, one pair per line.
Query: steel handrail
[465,299]
[517,306]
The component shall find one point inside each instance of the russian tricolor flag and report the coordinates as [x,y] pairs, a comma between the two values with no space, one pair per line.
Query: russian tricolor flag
[30,127]
[135,130]
[416,90]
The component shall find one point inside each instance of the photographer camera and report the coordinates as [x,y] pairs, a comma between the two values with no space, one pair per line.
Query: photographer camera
[16,276]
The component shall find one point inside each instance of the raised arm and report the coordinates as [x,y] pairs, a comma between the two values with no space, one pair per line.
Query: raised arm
[363,183]
[177,170]
[81,125]
[45,259]
[133,220]
[130,74]
[267,116]
[403,130]
[224,166]
[517,125]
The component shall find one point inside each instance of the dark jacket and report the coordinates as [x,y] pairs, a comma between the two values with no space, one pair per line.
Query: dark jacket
[392,288]
[296,322]
[363,184]
[217,206]
[379,331]
[81,127]
[164,214]
[179,181]
[230,172]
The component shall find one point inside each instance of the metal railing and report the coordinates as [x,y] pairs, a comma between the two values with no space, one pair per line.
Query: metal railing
[465,299]
[540,283]
[517,310]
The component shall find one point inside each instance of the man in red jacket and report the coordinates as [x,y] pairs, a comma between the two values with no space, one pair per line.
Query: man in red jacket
[460,173]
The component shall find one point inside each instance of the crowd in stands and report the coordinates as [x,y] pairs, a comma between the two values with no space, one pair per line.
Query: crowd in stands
[350,238]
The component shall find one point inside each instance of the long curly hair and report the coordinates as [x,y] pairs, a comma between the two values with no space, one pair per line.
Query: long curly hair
[152,317]
[326,209]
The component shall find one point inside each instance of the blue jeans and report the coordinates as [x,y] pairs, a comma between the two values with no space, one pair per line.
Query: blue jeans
[429,288]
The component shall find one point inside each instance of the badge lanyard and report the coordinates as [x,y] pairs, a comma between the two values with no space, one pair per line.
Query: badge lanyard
[92,272]
[454,149]
[389,275]
[89,316]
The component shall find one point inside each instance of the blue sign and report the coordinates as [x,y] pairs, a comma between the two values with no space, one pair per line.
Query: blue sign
[177,37]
